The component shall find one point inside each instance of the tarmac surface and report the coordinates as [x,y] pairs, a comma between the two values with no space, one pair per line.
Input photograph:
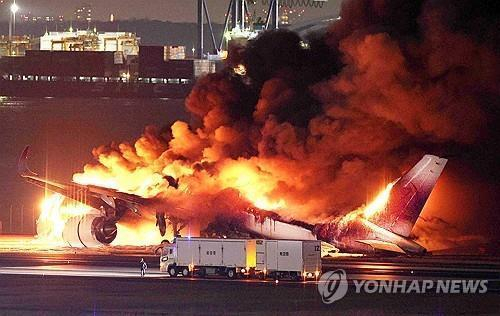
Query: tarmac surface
[74,283]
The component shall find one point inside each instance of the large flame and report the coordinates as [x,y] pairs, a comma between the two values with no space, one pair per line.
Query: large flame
[144,234]
[246,178]
[56,210]
[379,203]
[375,207]
[54,213]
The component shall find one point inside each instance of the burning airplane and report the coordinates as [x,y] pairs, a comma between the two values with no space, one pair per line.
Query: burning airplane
[383,225]
[290,147]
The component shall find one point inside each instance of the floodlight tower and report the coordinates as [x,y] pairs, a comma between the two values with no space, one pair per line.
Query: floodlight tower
[12,21]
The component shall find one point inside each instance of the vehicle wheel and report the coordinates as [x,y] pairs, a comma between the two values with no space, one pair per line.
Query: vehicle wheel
[172,271]
[231,274]
[185,272]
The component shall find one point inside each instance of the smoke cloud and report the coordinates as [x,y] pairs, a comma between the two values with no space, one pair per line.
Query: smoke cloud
[312,132]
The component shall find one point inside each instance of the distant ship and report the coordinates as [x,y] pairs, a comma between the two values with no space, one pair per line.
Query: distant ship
[100,74]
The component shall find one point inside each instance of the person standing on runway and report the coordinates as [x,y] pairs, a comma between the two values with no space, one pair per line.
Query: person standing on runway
[144,266]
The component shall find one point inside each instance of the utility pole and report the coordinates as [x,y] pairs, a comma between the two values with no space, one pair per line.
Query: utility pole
[10,26]
[201,5]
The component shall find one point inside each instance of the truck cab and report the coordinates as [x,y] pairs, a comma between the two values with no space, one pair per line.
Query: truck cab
[167,256]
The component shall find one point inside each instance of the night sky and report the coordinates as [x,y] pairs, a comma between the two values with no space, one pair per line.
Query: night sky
[172,10]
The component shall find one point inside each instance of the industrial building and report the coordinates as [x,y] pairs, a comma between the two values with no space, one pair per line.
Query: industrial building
[15,45]
[90,40]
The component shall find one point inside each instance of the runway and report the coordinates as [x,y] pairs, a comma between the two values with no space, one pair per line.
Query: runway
[356,270]
[84,283]
[367,267]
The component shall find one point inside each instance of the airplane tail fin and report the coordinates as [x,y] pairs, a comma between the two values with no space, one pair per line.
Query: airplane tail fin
[409,195]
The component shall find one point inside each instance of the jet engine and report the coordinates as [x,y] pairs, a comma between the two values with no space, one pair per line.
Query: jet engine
[90,230]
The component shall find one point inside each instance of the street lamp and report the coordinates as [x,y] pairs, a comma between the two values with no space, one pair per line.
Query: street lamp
[12,25]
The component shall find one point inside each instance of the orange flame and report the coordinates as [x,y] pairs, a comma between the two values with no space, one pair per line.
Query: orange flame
[55,212]
[246,178]
[379,203]
[371,209]
[130,170]
[53,216]
[142,234]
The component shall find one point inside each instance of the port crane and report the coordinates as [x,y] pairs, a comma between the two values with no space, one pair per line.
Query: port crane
[237,17]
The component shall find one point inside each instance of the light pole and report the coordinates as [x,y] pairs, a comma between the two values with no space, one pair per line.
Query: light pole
[12,25]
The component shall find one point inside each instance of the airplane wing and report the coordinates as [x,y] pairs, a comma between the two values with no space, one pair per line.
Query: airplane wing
[115,203]
[94,196]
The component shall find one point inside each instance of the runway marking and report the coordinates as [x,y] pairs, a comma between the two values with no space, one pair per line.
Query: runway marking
[124,273]
[73,271]
[129,273]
